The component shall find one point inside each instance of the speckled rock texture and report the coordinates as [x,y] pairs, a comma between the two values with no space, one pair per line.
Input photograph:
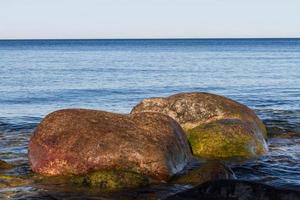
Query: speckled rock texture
[79,141]
[217,127]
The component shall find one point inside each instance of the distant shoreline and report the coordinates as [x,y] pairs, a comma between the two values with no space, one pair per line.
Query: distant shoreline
[93,39]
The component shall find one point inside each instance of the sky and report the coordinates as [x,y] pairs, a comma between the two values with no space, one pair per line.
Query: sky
[96,19]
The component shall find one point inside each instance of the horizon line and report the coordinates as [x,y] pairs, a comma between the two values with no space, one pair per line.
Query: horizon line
[159,38]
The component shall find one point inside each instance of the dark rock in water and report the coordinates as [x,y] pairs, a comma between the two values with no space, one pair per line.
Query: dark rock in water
[5,165]
[213,124]
[80,141]
[285,135]
[7,181]
[207,171]
[235,190]
[111,180]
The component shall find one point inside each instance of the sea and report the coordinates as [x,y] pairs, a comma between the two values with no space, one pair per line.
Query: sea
[40,76]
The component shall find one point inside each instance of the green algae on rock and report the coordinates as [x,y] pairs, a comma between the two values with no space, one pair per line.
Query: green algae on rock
[7,181]
[111,180]
[217,127]
[226,139]
[81,141]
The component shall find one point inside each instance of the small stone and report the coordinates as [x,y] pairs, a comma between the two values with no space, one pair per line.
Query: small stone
[7,181]
[5,165]
[207,171]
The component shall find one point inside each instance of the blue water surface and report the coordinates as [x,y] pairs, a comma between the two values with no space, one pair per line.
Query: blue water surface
[41,76]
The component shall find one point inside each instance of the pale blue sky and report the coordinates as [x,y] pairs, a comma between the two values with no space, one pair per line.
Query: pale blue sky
[149,18]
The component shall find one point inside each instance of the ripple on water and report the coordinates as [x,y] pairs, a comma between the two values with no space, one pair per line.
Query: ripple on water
[280,167]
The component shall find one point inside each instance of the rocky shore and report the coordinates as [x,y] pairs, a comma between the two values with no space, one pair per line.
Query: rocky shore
[156,143]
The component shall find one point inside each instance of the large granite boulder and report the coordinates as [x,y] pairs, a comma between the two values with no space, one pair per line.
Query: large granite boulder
[81,141]
[217,127]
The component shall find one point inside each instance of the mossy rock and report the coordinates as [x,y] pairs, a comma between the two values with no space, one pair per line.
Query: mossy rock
[196,108]
[111,180]
[208,171]
[80,141]
[217,127]
[226,139]
[5,165]
[7,181]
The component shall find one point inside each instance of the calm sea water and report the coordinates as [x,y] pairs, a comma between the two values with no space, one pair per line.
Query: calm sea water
[37,77]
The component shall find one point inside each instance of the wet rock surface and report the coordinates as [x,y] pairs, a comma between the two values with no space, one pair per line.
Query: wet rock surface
[211,121]
[4,165]
[7,181]
[79,141]
[109,185]
[225,139]
[111,180]
[235,190]
[206,171]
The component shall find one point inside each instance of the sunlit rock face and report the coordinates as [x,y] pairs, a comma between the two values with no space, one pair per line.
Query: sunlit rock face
[80,141]
[217,127]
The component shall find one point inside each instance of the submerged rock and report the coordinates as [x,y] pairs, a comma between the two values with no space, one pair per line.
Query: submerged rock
[217,127]
[102,181]
[235,190]
[5,165]
[80,141]
[7,181]
[208,171]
